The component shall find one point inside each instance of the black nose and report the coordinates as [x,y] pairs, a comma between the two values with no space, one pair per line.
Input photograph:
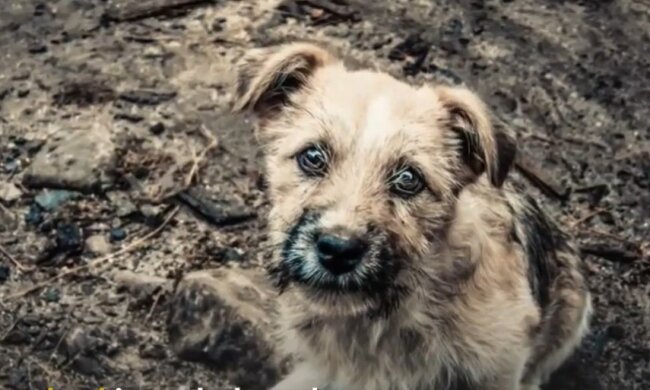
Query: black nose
[340,255]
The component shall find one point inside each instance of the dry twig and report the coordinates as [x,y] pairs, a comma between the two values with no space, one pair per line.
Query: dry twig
[14,261]
[548,187]
[154,304]
[130,10]
[578,222]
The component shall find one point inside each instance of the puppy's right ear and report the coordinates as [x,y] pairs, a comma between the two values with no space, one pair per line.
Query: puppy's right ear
[267,79]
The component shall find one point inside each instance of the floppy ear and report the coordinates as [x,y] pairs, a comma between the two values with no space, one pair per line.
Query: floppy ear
[267,78]
[485,147]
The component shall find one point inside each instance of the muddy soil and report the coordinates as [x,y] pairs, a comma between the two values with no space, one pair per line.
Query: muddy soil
[104,108]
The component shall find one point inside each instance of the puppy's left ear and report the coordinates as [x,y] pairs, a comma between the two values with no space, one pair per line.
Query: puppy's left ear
[268,77]
[483,145]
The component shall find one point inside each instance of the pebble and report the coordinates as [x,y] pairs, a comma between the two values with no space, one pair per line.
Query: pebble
[157,128]
[52,294]
[118,234]
[34,216]
[146,97]
[7,220]
[123,204]
[98,244]
[5,271]
[69,239]
[230,254]
[153,351]
[616,332]
[51,199]
[9,192]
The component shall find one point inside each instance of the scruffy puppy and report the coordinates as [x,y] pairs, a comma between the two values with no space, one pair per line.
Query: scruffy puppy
[403,260]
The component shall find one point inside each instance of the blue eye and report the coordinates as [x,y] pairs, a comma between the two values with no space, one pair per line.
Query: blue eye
[406,182]
[313,161]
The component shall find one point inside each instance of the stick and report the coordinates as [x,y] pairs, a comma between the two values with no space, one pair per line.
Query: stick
[131,10]
[216,215]
[330,7]
[582,220]
[153,305]
[610,252]
[538,180]
[15,262]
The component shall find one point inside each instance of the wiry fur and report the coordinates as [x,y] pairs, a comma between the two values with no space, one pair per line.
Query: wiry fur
[467,285]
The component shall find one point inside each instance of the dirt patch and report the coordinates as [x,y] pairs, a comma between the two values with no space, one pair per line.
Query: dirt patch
[571,77]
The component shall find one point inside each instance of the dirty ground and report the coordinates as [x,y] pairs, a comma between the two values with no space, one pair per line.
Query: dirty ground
[121,172]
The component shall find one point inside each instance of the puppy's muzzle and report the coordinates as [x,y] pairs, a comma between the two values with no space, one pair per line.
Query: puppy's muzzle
[340,254]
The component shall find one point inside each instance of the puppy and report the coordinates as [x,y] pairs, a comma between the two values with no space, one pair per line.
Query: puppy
[403,259]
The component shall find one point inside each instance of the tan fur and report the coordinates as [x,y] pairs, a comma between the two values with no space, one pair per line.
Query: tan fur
[468,312]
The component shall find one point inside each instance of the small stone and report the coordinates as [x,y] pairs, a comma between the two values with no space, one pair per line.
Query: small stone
[34,216]
[157,128]
[81,160]
[129,117]
[146,97]
[231,254]
[21,93]
[69,239]
[151,214]
[98,244]
[118,234]
[11,165]
[5,271]
[616,332]
[52,294]
[123,204]
[15,337]
[50,200]
[9,192]
[152,351]
[37,48]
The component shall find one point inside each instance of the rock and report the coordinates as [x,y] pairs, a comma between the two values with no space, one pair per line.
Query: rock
[616,332]
[229,254]
[9,192]
[7,220]
[153,351]
[123,204]
[140,284]
[51,199]
[82,160]
[98,245]
[157,128]
[129,117]
[52,294]
[69,239]
[147,97]
[34,215]
[5,271]
[15,337]
[118,234]
[222,318]
[37,48]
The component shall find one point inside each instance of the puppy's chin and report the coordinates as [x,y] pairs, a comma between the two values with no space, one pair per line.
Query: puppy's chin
[328,303]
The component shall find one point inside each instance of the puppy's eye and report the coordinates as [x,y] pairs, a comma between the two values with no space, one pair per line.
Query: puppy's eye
[406,182]
[313,161]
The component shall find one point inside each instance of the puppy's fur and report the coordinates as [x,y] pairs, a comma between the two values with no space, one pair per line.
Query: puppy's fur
[465,285]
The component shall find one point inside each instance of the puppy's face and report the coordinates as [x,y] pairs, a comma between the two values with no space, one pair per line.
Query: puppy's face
[363,173]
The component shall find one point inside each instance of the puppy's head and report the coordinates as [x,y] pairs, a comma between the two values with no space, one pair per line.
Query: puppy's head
[364,172]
